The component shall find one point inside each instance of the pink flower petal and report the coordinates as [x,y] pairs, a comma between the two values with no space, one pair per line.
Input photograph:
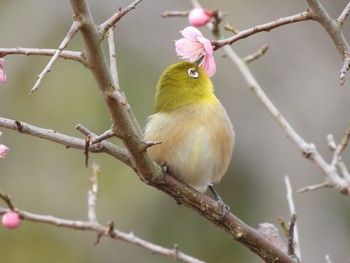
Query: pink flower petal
[209,65]
[193,46]
[3,150]
[191,33]
[2,74]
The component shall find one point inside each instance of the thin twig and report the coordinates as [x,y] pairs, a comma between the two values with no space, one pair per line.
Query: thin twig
[66,54]
[263,27]
[67,141]
[324,184]
[104,231]
[72,31]
[113,57]
[293,236]
[112,21]
[319,13]
[256,55]
[342,17]
[104,136]
[341,147]
[93,193]
[175,14]
[114,72]
[7,200]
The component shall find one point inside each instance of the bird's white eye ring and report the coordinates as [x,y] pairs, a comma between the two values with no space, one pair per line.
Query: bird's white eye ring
[193,73]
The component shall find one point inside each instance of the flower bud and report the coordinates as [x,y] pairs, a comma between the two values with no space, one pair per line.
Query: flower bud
[11,220]
[199,17]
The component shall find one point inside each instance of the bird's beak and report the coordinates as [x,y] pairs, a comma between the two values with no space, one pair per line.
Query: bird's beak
[199,62]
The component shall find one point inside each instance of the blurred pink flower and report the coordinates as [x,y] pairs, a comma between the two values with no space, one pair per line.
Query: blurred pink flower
[199,17]
[11,220]
[3,149]
[193,46]
[2,74]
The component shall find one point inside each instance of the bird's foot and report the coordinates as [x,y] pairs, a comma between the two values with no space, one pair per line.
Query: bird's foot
[224,209]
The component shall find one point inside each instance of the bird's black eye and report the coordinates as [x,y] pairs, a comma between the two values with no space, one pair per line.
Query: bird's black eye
[192,73]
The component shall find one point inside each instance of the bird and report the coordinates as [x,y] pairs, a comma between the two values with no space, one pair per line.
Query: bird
[195,133]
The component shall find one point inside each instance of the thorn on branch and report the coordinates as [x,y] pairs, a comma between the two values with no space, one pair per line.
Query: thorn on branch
[147,144]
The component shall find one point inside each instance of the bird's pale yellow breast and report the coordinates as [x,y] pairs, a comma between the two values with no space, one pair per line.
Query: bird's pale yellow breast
[197,142]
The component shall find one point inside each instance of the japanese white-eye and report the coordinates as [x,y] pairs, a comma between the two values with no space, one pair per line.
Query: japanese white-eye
[196,135]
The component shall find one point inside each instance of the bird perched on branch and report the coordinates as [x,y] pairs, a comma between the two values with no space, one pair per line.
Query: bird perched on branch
[196,135]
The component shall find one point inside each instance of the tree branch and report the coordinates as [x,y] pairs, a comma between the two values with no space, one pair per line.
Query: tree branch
[67,141]
[343,16]
[150,172]
[70,55]
[334,30]
[72,31]
[101,230]
[105,26]
[263,27]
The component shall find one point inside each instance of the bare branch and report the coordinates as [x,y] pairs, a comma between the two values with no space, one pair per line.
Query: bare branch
[293,236]
[341,147]
[66,54]
[105,26]
[341,19]
[263,27]
[113,57]
[333,28]
[175,14]
[72,31]
[104,231]
[315,187]
[93,193]
[256,55]
[7,200]
[67,141]
[114,71]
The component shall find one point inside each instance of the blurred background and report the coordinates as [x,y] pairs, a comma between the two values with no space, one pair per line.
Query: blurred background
[299,72]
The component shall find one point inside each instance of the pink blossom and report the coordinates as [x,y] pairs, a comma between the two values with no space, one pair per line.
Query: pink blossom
[2,74]
[11,220]
[199,17]
[3,150]
[193,46]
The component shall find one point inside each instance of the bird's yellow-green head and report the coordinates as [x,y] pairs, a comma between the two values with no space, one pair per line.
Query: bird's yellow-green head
[182,84]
